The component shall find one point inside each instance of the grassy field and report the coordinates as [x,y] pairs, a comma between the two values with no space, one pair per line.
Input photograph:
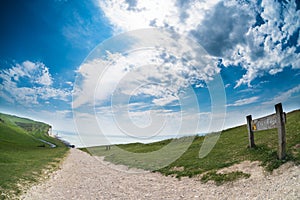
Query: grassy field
[230,149]
[23,158]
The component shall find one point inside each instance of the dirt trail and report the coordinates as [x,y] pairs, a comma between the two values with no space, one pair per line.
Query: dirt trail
[83,177]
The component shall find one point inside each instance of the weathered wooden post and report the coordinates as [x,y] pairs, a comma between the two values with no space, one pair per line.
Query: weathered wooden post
[276,120]
[281,131]
[250,131]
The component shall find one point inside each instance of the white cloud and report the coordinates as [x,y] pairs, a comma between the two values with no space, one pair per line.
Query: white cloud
[45,77]
[178,15]
[143,126]
[142,87]
[30,66]
[69,83]
[265,49]
[165,100]
[82,31]
[88,75]
[54,93]
[162,73]
[27,83]
[282,97]
[246,101]
[227,85]
[227,29]
[35,72]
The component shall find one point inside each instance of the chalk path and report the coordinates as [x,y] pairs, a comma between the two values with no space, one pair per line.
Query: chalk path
[83,177]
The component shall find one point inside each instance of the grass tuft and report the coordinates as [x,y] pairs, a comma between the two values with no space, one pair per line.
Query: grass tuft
[220,178]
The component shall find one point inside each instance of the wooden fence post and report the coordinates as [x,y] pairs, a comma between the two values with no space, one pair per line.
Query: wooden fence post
[250,131]
[281,131]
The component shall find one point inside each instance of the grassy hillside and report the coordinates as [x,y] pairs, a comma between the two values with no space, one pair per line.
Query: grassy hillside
[231,148]
[22,156]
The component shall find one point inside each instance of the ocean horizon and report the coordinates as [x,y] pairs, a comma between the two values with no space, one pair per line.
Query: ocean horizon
[94,140]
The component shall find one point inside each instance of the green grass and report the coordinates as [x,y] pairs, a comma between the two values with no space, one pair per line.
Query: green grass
[23,158]
[231,148]
[220,178]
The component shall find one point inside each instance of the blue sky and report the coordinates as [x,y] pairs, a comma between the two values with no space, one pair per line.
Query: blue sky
[143,70]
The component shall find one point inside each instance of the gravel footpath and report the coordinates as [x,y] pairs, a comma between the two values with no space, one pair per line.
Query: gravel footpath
[83,177]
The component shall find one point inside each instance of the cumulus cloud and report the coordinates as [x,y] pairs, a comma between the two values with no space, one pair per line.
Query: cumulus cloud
[160,76]
[262,37]
[179,15]
[29,82]
[35,72]
[143,90]
[45,77]
[128,76]
[223,28]
[143,97]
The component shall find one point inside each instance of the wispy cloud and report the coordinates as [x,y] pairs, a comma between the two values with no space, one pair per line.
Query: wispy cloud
[84,26]
[243,102]
[284,96]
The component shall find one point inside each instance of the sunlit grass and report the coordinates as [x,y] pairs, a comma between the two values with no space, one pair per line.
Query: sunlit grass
[23,158]
[231,148]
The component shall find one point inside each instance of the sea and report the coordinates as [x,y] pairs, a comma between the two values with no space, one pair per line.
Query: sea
[87,140]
